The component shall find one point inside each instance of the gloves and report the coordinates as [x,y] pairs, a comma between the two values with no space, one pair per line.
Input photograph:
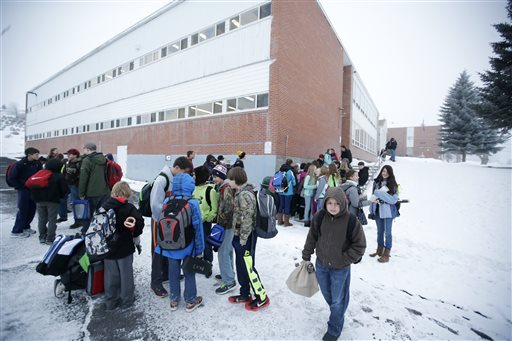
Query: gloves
[139,248]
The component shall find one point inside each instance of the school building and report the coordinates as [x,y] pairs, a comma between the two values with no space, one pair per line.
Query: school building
[269,78]
[419,141]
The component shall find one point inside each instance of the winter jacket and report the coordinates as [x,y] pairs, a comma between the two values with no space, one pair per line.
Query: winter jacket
[290,177]
[158,193]
[363,176]
[208,200]
[183,186]
[238,163]
[329,237]
[321,187]
[334,157]
[226,205]
[72,172]
[350,189]
[244,213]
[385,207]
[93,182]
[347,154]
[309,186]
[123,239]
[333,181]
[391,144]
[327,159]
[22,170]
[57,186]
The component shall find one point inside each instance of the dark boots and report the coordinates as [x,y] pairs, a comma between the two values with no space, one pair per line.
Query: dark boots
[286,219]
[279,217]
[385,256]
[380,250]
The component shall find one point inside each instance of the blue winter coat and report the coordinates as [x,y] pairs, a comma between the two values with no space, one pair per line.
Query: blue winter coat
[291,183]
[387,208]
[183,186]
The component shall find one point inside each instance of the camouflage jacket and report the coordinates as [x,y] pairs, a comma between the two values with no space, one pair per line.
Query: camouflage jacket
[244,212]
[226,205]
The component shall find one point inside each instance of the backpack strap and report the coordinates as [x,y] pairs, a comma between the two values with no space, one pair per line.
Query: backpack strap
[166,180]
[351,223]
[208,197]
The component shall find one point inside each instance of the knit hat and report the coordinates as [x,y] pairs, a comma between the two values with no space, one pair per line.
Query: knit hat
[73,151]
[202,174]
[220,171]
[220,157]
[240,153]
[110,157]
[90,146]
[266,181]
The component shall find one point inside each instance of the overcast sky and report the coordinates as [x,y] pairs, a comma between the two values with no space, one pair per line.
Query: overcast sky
[408,53]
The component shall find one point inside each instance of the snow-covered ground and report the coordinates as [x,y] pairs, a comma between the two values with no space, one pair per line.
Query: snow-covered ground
[449,277]
[12,136]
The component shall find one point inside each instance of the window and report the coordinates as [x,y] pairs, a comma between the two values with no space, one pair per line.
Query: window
[101,126]
[204,109]
[145,118]
[207,34]
[247,102]
[132,65]
[120,70]
[171,115]
[139,119]
[129,121]
[262,100]
[97,126]
[112,124]
[160,116]
[114,73]
[72,130]
[231,105]
[98,80]
[73,90]
[78,88]
[265,10]
[153,117]
[184,43]
[181,113]
[163,52]
[220,29]
[175,47]
[118,123]
[249,16]
[103,77]
[217,107]
[194,39]
[234,23]
[192,111]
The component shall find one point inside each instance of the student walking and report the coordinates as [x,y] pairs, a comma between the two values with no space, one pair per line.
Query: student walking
[337,246]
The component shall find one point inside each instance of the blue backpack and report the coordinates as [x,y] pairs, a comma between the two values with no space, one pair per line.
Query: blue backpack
[280,182]
[216,237]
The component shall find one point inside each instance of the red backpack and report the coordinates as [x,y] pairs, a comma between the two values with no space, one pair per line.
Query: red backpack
[113,173]
[40,179]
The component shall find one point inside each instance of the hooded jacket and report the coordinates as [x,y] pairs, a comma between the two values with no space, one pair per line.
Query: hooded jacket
[290,177]
[123,246]
[244,212]
[183,186]
[158,192]
[93,180]
[226,205]
[72,171]
[329,237]
[350,189]
[57,186]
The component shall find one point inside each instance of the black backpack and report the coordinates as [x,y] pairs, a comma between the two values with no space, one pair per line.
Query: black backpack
[351,225]
[145,195]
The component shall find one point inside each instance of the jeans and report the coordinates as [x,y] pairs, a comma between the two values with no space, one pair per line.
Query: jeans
[393,154]
[384,225]
[241,269]
[47,213]
[26,211]
[208,248]
[335,287]
[319,204]
[73,194]
[307,209]
[225,257]
[190,292]
[94,204]
[285,203]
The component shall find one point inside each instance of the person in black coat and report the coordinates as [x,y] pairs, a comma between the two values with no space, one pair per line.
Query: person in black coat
[363,173]
[16,178]
[48,201]
[346,154]
[119,283]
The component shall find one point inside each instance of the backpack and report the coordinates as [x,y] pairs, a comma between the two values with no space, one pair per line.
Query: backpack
[351,225]
[41,179]
[216,236]
[265,226]
[280,182]
[100,235]
[7,172]
[113,173]
[205,203]
[53,264]
[174,230]
[145,195]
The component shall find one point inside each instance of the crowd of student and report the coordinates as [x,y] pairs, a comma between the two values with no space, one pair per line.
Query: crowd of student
[324,193]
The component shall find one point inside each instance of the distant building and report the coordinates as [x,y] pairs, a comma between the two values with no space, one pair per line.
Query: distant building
[269,78]
[416,141]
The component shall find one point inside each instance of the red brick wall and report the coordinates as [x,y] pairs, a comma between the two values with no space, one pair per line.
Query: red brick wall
[306,80]
[346,138]
[207,135]
[425,141]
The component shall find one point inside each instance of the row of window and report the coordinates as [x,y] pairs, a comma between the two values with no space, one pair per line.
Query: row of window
[218,29]
[216,107]
[364,105]
[363,140]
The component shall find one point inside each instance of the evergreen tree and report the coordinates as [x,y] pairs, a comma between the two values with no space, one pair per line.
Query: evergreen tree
[462,130]
[496,107]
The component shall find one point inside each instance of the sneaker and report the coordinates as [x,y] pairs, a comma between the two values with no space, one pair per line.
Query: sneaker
[225,288]
[190,307]
[75,225]
[160,292]
[257,304]
[329,337]
[42,241]
[240,299]
[60,220]
[219,277]
[126,305]
[49,242]
[20,235]
[174,305]
[29,231]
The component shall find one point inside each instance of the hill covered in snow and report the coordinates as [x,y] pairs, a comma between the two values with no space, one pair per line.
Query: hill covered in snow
[12,133]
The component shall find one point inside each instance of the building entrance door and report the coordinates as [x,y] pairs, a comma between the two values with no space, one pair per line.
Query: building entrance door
[122,158]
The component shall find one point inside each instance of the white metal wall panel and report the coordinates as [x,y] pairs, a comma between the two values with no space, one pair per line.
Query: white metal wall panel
[241,81]
[244,46]
[177,22]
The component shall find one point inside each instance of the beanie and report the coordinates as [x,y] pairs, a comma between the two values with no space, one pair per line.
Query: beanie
[202,174]
[220,171]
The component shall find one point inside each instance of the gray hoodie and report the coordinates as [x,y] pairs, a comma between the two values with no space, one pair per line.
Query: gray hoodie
[158,192]
[329,238]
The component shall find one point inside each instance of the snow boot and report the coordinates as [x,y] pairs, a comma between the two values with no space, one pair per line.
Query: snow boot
[379,251]
[287,220]
[279,217]
[307,224]
[385,256]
